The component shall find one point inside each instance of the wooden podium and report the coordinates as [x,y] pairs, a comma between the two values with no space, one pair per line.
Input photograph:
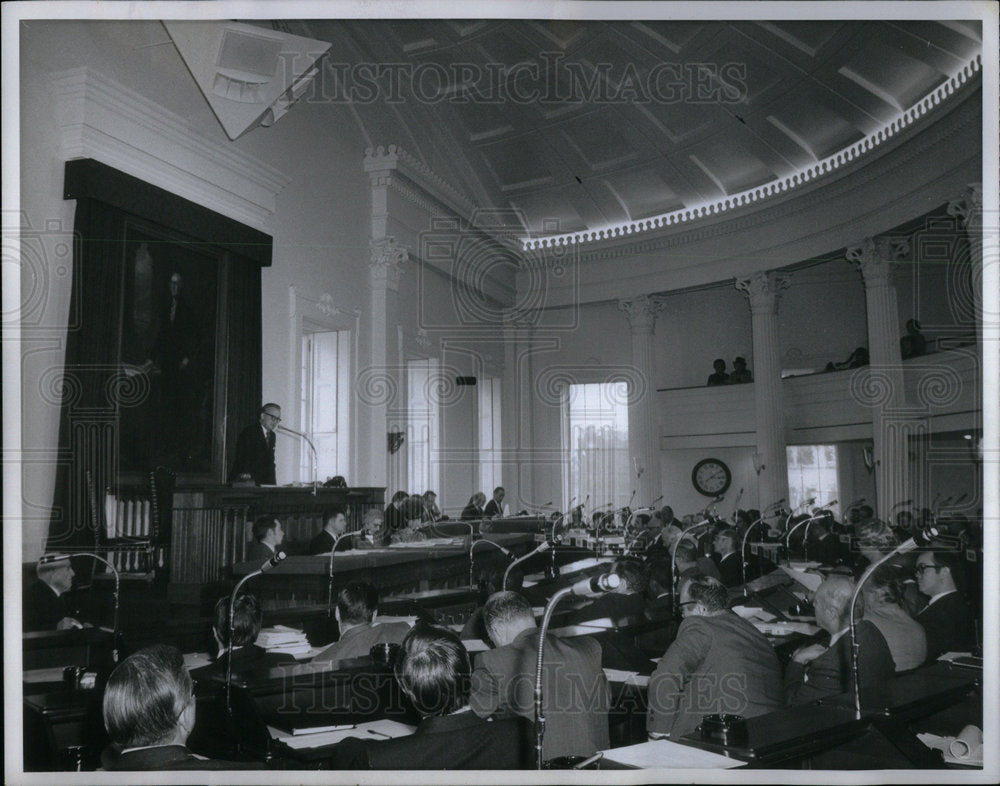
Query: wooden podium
[211,526]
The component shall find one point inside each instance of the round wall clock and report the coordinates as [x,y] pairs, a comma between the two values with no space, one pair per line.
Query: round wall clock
[711,477]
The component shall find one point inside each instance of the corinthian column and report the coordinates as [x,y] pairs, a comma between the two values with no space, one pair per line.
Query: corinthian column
[378,384]
[969,210]
[643,430]
[763,291]
[883,388]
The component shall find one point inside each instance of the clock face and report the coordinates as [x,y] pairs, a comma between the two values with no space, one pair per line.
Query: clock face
[711,477]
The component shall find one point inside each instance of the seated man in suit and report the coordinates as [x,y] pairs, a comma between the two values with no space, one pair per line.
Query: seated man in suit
[726,544]
[494,508]
[690,561]
[824,546]
[356,610]
[946,618]
[149,712]
[393,514]
[816,671]
[474,510]
[575,694]
[247,656]
[718,662]
[432,512]
[334,525]
[434,673]
[268,534]
[44,603]
[883,595]
[374,534]
[623,604]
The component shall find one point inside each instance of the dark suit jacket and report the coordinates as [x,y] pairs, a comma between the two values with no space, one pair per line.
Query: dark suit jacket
[948,624]
[830,673]
[245,659]
[254,455]
[463,741]
[169,757]
[323,542]
[257,552]
[492,509]
[470,513]
[617,606]
[575,693]
[730,571]
[716,664]
[826,549]
[357,642]
[42,608]
[392,519]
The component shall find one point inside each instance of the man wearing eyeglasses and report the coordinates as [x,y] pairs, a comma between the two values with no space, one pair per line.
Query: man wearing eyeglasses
[946,617]
[255,449]
[719,663]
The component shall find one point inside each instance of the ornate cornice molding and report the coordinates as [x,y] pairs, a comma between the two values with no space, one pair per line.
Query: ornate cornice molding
[381,161]
[822,168]
[763,290]
[104,120]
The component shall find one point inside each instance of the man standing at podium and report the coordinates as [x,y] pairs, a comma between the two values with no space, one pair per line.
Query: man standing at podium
[255,449]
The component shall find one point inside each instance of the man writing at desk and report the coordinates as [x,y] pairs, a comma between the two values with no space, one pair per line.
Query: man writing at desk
[255,449]
[45,606]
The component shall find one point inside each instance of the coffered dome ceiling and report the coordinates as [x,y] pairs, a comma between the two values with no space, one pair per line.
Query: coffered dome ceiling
[581,126]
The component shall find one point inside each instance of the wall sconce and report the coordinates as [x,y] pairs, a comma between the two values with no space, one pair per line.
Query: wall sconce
[975,443]
[758,462]
[869,454]
[395,440]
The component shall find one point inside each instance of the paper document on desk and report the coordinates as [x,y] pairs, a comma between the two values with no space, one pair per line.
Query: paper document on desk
[664,754]
[751,613]
[808,580]
[627,677]
[373,730]
[785,628]
[429,543]
[475,645]
[381,620]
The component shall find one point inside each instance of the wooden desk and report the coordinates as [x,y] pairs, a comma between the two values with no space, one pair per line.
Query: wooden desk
[394,570]
[63,730]
[89,647]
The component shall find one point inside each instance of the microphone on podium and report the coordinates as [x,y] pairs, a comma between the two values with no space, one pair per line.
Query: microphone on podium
[273,562]
[596,585]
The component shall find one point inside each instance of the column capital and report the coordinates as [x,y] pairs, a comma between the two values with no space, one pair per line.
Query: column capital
[763,290]
[642,312]
[384,266]
[874,255]
[967,206]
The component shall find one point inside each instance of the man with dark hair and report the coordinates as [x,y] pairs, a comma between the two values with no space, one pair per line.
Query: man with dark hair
[255,449]
[393,517]
[434,672]
[494,508]
[741,374]
[690,561]
[816,670]
[356,610]
[719,376]
[726,545]
[334,525]
[946,618]
[44,604]
[149,712]
[883,596]
[575,694]
[267,536]
[718,663]
[432,512]
[248,617]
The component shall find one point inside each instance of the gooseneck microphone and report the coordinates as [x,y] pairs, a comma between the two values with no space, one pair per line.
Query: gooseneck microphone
[301,435]
[268,565]
[543,546]
[329,585]
[596,585]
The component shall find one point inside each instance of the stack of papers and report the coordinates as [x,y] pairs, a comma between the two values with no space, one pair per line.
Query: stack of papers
[785,628]
[660,754]
[285,640]
[373,730]
[750,613]
[627,677]
[430,542]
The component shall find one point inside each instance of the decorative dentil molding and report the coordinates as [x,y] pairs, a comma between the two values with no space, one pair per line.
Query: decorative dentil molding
[968,206]
[763,290]
[805,175]
[642,312]
[384,266]
[104,120]
[380,162]
[875,257]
